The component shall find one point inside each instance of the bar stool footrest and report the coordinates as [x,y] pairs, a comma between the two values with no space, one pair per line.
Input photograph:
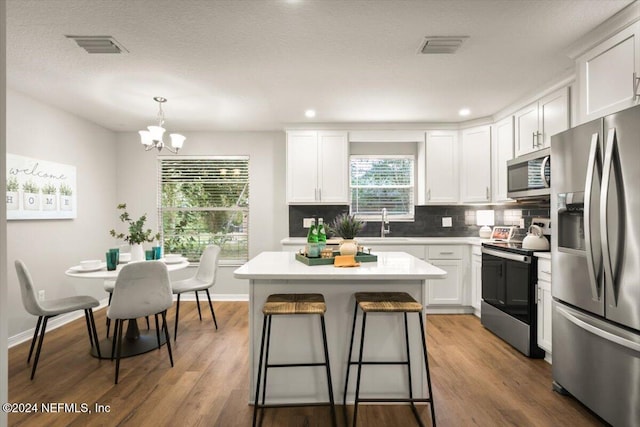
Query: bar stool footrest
[390,400]
[380,363]
[294,365]
[293,405]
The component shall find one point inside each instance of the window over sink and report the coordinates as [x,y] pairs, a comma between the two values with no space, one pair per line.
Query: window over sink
[204,201]
[382,181]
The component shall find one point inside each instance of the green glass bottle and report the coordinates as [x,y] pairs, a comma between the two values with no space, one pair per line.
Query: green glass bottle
[312,241]
[322,234]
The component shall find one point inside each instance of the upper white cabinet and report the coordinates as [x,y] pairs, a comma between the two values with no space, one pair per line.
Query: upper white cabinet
[317,167]
[476,164]
[607,75]
[442,167]
[537,122]
[502,149]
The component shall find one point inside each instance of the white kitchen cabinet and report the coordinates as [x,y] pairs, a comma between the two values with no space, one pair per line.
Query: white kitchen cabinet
[608,75]
[317,167]
[476,164]
[502,149]
[476,279]
[451,290]
[537,122]
[442,167]
[544,304]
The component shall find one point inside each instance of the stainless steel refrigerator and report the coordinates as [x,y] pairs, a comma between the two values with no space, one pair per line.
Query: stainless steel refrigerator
[595,251]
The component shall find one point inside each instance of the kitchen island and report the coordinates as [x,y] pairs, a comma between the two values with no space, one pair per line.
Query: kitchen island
[298,338]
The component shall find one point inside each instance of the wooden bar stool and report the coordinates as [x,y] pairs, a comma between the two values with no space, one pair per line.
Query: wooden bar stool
[290,304]
[388,302]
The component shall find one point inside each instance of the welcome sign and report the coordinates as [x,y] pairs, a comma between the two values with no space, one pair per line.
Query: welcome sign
[39,189]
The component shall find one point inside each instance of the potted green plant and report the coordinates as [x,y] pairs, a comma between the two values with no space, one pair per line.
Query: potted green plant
[137,234]
[12,193]
[347,226]
[31,194]
[65,197]
[49,191]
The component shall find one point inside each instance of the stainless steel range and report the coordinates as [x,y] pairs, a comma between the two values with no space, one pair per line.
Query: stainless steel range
[509,277]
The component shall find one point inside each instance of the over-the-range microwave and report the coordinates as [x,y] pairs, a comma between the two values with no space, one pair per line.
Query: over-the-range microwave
[529,176]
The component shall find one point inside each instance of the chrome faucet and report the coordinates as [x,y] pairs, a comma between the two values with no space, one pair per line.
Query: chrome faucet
[385,221]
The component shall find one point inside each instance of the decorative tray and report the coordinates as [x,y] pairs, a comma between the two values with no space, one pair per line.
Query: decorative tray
[360,257]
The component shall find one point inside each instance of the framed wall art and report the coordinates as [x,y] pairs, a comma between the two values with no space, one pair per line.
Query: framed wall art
[40,189]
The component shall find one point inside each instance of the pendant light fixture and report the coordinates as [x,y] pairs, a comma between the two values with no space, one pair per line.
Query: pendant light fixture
[152,138]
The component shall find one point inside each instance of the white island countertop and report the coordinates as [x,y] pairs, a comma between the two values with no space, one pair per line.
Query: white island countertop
[389,266]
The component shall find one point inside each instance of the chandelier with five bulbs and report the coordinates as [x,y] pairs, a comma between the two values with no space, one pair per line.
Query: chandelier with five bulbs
[152,138]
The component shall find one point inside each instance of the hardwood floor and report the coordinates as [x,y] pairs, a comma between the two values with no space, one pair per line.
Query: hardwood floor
[478,380]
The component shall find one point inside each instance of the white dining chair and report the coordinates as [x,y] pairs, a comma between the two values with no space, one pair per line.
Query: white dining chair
[142,289]
[51,308]
[204,279]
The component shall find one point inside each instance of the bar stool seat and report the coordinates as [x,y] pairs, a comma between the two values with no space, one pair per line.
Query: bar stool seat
[372,302]
[290,304]
[387,302]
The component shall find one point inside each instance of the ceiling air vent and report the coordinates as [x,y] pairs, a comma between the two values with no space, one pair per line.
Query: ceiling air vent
[441,44]
[99,44]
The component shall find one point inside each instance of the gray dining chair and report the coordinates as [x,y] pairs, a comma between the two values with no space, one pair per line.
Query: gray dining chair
[51,308]
[204,279]
[108,287]
[142,289]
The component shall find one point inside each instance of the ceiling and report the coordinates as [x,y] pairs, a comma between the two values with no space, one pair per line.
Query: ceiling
[258,65]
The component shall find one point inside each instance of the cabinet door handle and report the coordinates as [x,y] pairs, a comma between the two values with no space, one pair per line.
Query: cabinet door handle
[429,194]
[487,193]
[533,140]
[545,272]
[636,85]
[446,253]
[320,194]
[315,194]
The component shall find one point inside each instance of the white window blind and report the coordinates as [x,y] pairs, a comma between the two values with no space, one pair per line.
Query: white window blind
[204,201]
[382,181]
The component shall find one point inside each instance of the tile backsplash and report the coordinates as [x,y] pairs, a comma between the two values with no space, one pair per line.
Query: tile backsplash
[428,219]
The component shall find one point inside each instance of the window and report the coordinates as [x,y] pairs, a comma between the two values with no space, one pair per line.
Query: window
[203,201]
[382,181]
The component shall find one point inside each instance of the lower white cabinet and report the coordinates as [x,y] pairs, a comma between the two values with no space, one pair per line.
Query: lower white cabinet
[476,279]
[450,291]
[544,304]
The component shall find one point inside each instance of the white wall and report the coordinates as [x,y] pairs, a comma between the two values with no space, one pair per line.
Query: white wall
[268,212]
[4,396]
[48,247]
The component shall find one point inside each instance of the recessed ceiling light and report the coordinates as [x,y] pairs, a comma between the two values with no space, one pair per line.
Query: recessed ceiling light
[464,112]
[310,113]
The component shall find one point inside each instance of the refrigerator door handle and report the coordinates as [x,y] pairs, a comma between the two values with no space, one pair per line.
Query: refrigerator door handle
[582,322]
[546,183]
[594,162]
[604,217]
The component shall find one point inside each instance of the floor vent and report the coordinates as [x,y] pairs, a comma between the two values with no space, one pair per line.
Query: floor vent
[441,44]
[99,44]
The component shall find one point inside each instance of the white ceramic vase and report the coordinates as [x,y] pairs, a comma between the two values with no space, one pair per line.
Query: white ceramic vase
[137,252]
[348,247]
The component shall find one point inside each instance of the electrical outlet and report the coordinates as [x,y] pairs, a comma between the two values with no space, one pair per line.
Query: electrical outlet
[41,295]
[446,221]
[306,222]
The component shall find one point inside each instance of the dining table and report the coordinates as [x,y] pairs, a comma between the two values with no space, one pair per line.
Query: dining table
[135,341]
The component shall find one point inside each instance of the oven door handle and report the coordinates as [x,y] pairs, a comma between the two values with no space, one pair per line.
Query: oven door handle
[507,255]
[546,183]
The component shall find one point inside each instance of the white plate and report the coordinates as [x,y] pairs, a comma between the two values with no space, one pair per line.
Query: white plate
[173,260]
[80,269]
